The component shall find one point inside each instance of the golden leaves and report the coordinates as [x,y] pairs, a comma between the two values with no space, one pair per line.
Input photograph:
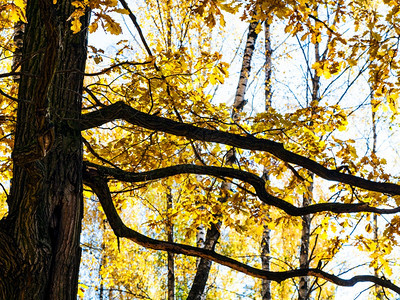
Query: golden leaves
[102,10]
[110,25]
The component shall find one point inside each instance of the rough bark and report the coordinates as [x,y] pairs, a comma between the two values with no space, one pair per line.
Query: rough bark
[204,266]
[43,226]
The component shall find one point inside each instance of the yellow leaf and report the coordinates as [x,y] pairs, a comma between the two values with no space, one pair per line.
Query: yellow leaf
[14,17]
[112,26]
[368,228]
[111,3]
[258,28]
[77,4]
[19,3]
[121,11]
[93,27]
[76,25]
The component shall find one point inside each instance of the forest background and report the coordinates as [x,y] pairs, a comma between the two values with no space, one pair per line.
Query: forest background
[263,134]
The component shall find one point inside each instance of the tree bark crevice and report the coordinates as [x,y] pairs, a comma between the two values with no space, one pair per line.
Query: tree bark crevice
[45,201]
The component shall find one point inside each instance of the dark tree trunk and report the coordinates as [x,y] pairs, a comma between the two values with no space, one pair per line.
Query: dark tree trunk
[203,269]
[39,240]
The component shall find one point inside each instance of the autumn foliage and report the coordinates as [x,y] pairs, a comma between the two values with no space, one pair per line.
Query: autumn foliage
[133,165]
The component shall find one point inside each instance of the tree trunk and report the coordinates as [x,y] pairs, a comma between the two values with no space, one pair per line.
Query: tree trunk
[305,244]
[39,240]
[204,266]
[266,237]
[240,102]
[170,256]
[265,263]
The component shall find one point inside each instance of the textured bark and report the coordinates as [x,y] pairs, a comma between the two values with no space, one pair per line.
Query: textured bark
[304,283]
[265,263]
[197,291]
[170,255]
[305,244]
[240,102]
[45,203]
[266,237]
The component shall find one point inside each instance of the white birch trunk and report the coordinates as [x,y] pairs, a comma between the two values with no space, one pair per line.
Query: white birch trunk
[266,237]
[240,102]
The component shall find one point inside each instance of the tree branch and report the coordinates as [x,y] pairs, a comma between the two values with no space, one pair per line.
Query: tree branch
[100,188]
[123,111]
[137,26]
[257,182]
[104,71]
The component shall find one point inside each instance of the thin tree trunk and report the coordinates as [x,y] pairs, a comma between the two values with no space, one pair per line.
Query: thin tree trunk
[170,227]
[305,244]
[378,290]
[211,238]
[102,262]
[240,102]
[170,256]
[266,237]
[203,269]
[304,292]
[265,263]
[39,239]
[197,290]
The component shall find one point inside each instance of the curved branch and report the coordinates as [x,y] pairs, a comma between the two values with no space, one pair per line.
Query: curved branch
[104,71]
[8,96]
[123,111]
[100,188]
[257,182]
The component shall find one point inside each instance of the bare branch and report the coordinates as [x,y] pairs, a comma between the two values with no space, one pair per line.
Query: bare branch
[8,96]
[108,68]
[257,182]
[100,188]
[137,26]
[123,111]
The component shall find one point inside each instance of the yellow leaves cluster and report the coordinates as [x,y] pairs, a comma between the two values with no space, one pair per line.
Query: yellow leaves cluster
[101,9]
[211,11]
[16,11]
[328,68]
